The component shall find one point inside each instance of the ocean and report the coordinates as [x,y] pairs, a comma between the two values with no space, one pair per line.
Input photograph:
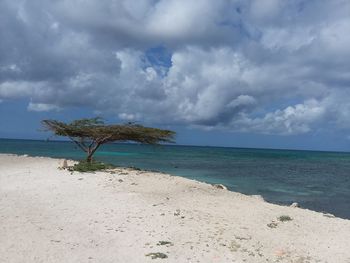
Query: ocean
[318,181]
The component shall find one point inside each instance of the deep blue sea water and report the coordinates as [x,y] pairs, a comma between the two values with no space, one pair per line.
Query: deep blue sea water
[316,180]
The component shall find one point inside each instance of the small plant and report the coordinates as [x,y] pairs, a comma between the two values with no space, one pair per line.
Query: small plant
[84,166]
[156,255]
[272,225]
[164,243]
[135,168]
[284,218]
[234,246]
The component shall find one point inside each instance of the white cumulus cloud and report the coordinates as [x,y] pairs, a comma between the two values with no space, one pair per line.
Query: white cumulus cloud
[265,66]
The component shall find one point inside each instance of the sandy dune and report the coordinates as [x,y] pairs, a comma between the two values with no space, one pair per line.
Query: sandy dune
[51,215]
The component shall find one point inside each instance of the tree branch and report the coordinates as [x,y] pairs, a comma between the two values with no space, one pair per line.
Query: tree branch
[79,145]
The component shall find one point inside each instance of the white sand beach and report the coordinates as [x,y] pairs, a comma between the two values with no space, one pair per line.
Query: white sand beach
[53,215]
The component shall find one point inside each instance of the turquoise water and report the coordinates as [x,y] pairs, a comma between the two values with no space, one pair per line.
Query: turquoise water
[316,180]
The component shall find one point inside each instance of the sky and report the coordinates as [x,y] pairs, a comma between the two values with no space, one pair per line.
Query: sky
[241,73]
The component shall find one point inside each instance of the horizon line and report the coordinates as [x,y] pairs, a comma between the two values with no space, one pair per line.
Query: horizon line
[193,145]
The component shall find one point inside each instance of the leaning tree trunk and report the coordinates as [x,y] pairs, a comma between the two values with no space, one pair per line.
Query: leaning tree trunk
[90,152]
[89,158]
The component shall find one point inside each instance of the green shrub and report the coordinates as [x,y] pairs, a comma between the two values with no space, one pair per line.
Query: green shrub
[284,218]
[165,243]
[272,225]
[84,166]
[135,168]
[156,255]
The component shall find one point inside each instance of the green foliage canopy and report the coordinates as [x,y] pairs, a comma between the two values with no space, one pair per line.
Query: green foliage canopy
[89,134]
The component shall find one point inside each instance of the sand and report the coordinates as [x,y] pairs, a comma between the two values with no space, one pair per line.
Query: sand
[52,215]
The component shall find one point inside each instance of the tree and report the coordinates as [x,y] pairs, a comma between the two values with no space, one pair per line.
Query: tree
[90,134]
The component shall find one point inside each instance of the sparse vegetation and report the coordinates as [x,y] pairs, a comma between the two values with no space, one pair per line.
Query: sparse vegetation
[234,246]
[272,225]
[84,166]
[284,218]
[135,168]
[156,255]
[165,243]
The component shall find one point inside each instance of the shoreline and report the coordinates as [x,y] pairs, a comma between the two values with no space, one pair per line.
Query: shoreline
[51,215]
[260,197]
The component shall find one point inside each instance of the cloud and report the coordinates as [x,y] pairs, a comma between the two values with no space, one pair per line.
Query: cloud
[295,119]
[42,107]
[263,66]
